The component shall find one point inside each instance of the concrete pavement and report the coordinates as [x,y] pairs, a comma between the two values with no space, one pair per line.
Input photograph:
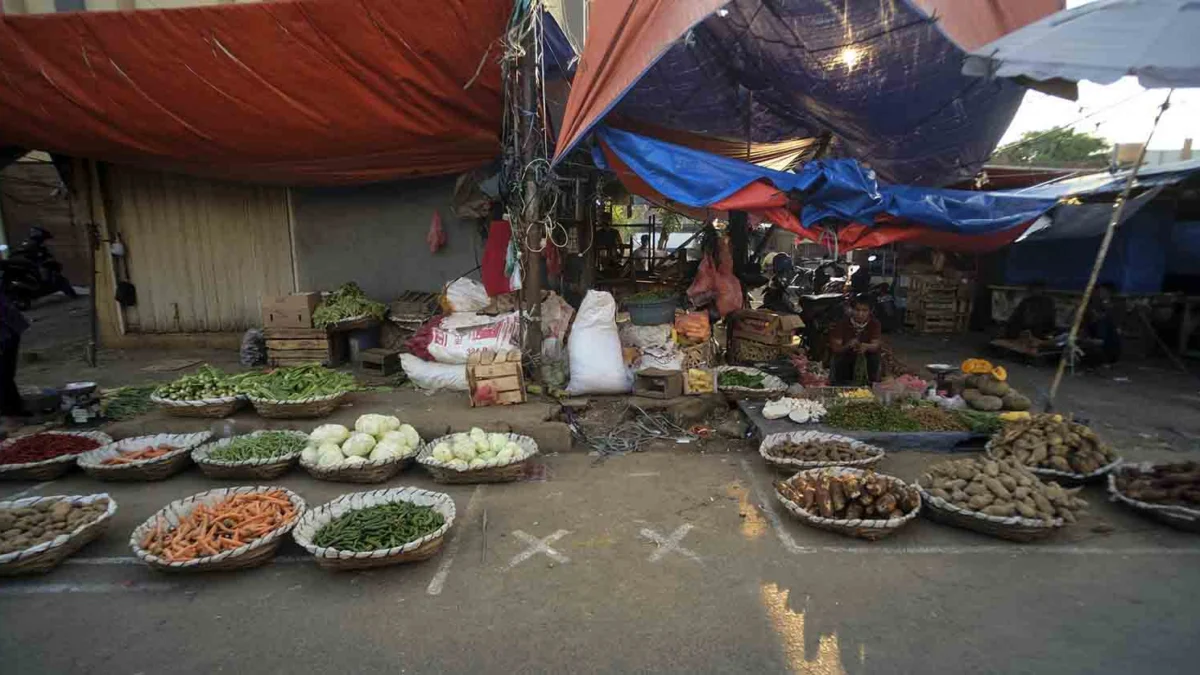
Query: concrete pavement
[666,561]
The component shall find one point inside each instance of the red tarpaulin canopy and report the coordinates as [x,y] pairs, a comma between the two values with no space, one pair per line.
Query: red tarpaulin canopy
[304,93]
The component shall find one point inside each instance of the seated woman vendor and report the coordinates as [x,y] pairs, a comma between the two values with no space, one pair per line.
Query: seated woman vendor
[857,335]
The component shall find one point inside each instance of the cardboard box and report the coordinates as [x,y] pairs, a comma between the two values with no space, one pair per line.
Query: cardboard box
[765,327]
[655,383]
[502,371]
[290,311]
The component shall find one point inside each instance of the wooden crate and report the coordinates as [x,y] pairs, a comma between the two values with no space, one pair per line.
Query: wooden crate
[502,371]
[298,346]
[380,361]
[656,383]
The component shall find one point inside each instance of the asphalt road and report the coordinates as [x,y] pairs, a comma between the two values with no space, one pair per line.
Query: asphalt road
[668,561]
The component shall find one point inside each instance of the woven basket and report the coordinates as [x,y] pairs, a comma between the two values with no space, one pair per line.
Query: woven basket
[47,469]
[1178,517]
[1065,478]
[869,529]
[318,406]
[369,472]
[48,554]
[792,465]
[208,407]
[1013,528]
[418,549]
[490,472]
[158,468]
[773,387]
[253,469]
[254,553]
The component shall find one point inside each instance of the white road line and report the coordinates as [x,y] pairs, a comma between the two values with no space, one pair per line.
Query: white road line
[27,491]
[785,538]
[439,579]
[537,546]
[670,544]
[644,474]
[56,589]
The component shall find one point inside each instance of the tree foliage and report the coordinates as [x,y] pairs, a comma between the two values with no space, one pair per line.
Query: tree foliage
[1055,148]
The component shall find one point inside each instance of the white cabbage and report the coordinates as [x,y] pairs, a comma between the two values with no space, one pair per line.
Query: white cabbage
[352,461]
[414,439]
[358,445]
[329,433]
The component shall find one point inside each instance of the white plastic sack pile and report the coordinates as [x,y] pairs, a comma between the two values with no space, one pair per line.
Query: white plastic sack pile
[463,334]
[655,347]
[465,295]
[429,375]
[597,366]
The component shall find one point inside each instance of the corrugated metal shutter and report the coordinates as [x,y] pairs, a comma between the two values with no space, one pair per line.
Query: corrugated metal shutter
[201,252]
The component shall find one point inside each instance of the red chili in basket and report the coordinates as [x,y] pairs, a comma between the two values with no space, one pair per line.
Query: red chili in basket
[40,447]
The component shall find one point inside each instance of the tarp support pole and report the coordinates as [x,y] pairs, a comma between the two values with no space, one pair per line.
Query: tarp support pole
[1118,210]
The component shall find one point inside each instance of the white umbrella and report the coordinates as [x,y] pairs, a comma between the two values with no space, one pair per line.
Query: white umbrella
[1103,41]
[1153,40]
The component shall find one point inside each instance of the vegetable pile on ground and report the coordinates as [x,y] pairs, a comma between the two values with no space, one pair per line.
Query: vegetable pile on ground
[375,438]
[379,527]
[347,302]
[1053,442]
[821,451]
[148,452]
[699,381]
[869,416]
[224,526]
[266,445]
[205,383]
[737,378]
[857,394]
[40,447]
[985,388]
[799,410]
[28,526]
[844,496]
[127,402]
[476,448]
[934,418]
[293,384]
[1001,488]
[980,422]
[1166,484]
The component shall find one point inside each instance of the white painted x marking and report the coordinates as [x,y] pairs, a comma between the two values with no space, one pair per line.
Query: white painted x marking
[537,546]
[668,544]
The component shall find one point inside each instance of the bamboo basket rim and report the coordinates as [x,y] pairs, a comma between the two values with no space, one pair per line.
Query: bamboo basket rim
[172,512]
[425,455]
[194,403]
[989,450]
[295,401]
[200,454]
[100,437]
[771,440]
[184,444]
[1174,511]
[62,539]
[868,523]
[311,522]
[1011,521]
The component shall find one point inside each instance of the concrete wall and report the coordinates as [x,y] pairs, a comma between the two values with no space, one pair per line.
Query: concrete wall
[375,235]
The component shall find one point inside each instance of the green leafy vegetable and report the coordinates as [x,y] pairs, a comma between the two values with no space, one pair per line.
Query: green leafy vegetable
[379,527]
[980,422]
[869,416]
[128,402]
[292,384]
[736,378]
[347,302]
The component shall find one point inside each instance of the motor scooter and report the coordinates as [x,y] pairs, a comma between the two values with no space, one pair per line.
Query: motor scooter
[32,272]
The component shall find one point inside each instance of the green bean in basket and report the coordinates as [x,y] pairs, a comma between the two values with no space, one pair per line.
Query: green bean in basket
[379,527]
[292,384]
[263,446]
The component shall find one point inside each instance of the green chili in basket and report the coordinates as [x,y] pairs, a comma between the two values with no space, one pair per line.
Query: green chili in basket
[263,446]
[379,527]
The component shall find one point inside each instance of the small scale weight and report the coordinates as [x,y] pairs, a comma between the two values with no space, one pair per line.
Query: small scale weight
[80,402]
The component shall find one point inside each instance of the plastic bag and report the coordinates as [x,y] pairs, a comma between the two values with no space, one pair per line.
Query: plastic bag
[596,363]
[464,295]
[556,316]
[254,348]
[704,287]
[729,289]
[437,236]
[434,376]
[450,344]
[419,343]
[646,337]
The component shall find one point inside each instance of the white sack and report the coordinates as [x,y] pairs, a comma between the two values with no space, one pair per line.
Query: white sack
[597,366]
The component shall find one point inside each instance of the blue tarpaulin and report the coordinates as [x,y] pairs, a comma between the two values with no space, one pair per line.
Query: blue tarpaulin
[836,189]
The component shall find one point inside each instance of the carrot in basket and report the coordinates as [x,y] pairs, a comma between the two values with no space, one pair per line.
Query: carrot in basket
[227,525]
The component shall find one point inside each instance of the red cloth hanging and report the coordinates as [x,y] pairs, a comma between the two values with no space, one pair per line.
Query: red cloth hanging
[495,257]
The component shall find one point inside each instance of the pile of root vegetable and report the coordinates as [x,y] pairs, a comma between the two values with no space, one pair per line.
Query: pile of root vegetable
[1163,484]
[26,527]
[821,451]
[1001,488]
[843,495]
[1052,442]
[224,526]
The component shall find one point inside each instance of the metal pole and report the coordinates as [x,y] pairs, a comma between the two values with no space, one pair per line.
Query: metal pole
[1118,210]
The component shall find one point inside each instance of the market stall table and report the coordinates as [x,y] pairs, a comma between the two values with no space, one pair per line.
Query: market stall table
[931,441]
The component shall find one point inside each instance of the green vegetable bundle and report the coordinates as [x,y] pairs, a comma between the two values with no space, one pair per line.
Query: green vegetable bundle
[736,378]
[379,527]
[869,416]
[980,422]
[205,383]
[347,302]
[128,402]
[262,446]
[293,384]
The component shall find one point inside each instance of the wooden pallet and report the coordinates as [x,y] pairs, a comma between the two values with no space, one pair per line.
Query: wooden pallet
[298,346]
[502,371]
